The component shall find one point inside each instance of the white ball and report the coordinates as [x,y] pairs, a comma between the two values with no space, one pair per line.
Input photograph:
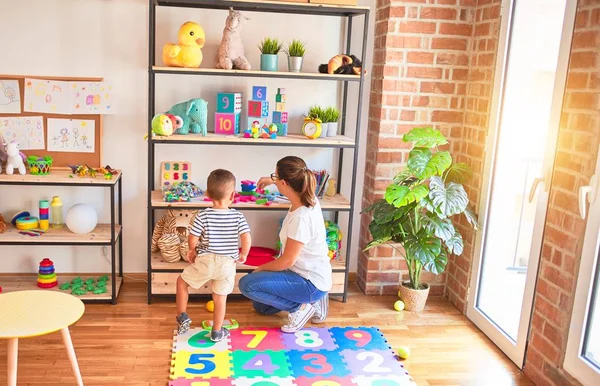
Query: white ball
[81,219]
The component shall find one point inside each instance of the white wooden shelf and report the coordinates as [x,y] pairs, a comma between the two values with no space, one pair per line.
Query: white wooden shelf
[288,140]
[61,236]
[24,282]
[57,176]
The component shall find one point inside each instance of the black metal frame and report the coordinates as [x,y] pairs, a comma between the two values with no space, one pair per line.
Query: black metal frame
[115,237]
[274,7]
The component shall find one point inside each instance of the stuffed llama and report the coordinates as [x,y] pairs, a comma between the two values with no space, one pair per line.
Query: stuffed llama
[231,50]
[16,159]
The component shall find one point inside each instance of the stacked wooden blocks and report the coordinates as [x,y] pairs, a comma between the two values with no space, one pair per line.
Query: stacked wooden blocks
[227,117]
[258,108]
[280,116]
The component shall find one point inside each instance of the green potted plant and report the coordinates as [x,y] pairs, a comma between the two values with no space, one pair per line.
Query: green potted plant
[417,211]
[295,52]
[333,116]
[269,48]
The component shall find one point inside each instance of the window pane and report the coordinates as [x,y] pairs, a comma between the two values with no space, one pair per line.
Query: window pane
[591,349]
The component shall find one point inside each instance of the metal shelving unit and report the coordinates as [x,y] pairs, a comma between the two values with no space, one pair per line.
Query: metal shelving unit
[107,235]
[162,275]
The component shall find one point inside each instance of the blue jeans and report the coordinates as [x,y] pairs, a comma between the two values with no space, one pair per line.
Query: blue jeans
[272,292]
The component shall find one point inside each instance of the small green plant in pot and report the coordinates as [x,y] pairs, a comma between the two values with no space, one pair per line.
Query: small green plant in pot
[269,48]
[333,116]
[417,211]
[295,52]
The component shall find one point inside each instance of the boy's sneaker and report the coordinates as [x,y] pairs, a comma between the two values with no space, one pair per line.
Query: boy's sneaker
[297,320]
[183,323]
[219,335]
[321,309]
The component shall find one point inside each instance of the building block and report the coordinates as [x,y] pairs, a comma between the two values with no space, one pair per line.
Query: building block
[280,98]
[226,123]
[280,117]
[229,102]
[258,108]
[282,129]
[281,91]
[279,106]
[259,93]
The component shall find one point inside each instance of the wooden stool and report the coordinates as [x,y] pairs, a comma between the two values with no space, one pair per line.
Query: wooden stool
[27,314]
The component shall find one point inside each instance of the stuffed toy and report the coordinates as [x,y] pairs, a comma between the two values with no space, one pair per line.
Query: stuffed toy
[171,233]
[231,50]
[194,114]
[3,155]
[342,64]
[188,53]
[2,224]
[16,159]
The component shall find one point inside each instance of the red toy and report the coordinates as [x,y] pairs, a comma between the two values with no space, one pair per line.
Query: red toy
[259,256]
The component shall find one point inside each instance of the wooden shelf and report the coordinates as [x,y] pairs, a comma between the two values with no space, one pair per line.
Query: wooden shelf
[255,74]
[339,203]
[158,263]
[289,140]
[58,176]
[61,236]
[24,282]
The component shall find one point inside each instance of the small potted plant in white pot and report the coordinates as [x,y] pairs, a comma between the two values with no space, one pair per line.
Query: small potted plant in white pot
[295,52]
[269,48]
[417,212]
[333,116]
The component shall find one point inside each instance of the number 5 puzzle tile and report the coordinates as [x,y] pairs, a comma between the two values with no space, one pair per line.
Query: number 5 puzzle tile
[200,382]
[372,362]
[202,365]
[309,339]
[261,381]
[260,364]
[327,381]
[257,339]
[317,364]
[198,340]
[355,338]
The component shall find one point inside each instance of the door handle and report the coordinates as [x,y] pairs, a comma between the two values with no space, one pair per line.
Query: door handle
[534,186]
[587,193]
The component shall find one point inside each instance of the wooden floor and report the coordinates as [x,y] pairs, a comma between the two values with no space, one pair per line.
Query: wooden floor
[130,343]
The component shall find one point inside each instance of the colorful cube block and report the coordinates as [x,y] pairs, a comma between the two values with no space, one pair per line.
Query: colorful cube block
[279,106]
[280,117]
[280,98]
[227,123]
[280,91]
[258,109]
[229,102]
[259,93]
[282,129]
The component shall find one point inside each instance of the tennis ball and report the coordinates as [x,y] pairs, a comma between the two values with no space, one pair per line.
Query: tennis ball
[399,295]
[210,306]
[403,352]
[399,305]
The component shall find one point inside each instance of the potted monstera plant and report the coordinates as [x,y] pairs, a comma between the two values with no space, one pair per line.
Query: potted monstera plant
[418,209]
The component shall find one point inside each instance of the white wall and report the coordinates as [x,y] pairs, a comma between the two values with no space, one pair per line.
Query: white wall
[109,39]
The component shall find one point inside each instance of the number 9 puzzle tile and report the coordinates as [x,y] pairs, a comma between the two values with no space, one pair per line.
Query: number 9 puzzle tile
[258,339]
[309,339]
[355,338]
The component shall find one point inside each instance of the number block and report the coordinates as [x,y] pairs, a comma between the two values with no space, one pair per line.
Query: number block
[280,117]
[259,93]
[327,381]
[281,91]
[228,124]
[174,171]
[258,339]
[262,381]
[258,109]
[204,365]
[317,364]
[371,362]
[309,339]
[280,106]
[229,102]
[356,338]
[280,98]
[260,364]
[282,129]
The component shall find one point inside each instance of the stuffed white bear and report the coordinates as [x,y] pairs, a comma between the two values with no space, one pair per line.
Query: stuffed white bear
[231,50]
[16,159]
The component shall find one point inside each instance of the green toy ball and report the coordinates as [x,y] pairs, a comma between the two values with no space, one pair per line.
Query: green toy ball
[399,305]
[403,352]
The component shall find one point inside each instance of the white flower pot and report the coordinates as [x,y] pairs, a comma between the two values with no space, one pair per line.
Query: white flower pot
[332,129]
[324,128]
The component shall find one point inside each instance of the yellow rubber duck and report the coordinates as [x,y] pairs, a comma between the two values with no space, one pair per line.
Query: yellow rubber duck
[188,53]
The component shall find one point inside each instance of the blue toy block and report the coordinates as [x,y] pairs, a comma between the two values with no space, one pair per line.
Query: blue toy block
[259,93]
[258,109]
[229,102]
[280,117]
[282,129]
[265,109]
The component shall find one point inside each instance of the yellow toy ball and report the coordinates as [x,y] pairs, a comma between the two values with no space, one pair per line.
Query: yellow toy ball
[210,306]
[403,352]
[399,305]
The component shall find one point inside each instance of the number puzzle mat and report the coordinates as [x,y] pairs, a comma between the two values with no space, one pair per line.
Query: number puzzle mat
[337,356]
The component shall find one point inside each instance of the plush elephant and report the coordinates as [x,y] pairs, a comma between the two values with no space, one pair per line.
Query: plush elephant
[194,114]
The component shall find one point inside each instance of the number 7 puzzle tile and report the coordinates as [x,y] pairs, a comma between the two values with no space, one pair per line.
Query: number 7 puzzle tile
[258,339]
[200,382]
[309,339]
[355,338]
[202,365]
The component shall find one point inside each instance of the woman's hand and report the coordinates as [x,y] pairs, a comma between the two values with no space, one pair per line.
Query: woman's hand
[263,182]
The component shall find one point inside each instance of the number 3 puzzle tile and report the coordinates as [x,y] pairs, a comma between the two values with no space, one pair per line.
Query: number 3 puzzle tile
[372,362]
[203,365]
[309,339]
[328,381]
[200,382]
[317,364]
[258,339]
[261,381]
[260,364]
[355,338]
[198,340]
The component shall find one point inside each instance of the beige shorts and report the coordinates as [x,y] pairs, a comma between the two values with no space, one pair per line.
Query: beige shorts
[209,266]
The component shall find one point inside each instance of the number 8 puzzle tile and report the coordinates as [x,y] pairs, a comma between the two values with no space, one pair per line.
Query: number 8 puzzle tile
[317,364]
[309,339]
[260,364]
[202,365]
[258,339]
[372,362]
[328,381]
[355,338]
[261,381]
[200,382]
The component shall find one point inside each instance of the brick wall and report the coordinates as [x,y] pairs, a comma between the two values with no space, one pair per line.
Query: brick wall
[575,161]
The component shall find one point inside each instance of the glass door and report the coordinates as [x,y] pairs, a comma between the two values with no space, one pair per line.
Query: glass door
[530,81]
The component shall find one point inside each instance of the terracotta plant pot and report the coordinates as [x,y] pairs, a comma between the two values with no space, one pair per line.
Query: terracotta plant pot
[414,300]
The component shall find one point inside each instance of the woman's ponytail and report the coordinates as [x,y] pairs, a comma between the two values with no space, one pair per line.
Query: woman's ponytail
[293,170]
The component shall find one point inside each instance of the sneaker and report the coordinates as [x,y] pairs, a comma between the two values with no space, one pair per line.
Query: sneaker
[183,323]
[297,320]
[321,309]
[219,335]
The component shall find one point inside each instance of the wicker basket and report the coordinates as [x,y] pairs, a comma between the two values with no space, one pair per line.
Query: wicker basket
[39,166]
[414,300]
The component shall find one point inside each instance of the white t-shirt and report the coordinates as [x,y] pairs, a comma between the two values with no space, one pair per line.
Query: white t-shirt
[307,226]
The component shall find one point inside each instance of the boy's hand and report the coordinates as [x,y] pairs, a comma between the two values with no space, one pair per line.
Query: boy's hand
[191,256]
[242,259]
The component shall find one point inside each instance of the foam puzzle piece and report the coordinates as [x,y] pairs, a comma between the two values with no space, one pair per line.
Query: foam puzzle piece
[198,340]
[257,339]
[204,365]
[201,382]
[260,364]
[368,338]
[324,381]
[309,339]
[371,362]
[261,381]
[317,364]
[379,380]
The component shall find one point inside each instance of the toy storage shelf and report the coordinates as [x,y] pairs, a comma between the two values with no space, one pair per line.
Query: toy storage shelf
[162,276]
[256,74]
[339,141]
[107,235]
[29,282]
[338,203]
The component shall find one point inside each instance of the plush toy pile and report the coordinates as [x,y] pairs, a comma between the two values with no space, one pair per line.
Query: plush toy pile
[342,64]
[171,233]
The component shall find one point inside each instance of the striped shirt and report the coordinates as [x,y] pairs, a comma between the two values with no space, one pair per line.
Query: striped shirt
[219,231]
